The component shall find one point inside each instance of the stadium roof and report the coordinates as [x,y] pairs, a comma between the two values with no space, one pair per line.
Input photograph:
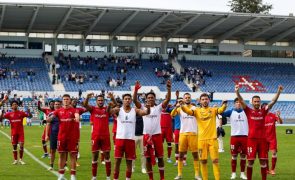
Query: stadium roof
[142,22]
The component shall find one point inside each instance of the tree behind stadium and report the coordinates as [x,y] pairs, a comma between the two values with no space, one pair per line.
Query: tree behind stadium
[250,6]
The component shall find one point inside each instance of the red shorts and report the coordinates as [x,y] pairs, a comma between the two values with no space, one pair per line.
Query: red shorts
[176,136]
[272,144]
[17,138]
[167,134]
[238,145]
[257,146]
[69,145]
[126,146]
[114,137]
[43,135]
[102,143]
[158,145]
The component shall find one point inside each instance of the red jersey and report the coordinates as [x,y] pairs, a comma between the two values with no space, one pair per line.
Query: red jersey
[46,111]
[67,124]
[166,120]
[100,120]
[270,126]
[16,121]
[256,120]
[114,130]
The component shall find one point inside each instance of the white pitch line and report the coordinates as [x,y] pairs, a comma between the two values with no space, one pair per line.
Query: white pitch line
[32,156]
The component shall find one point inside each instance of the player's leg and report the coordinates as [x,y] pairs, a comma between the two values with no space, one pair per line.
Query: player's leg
[108,163]
[203,156]
[262,155]
[251,155]
[273,161]
[169,140]
[14,143]
[220,144]
[21,142]
[44,145]
[117,168]
[159,152]
[148,157]
[243,154]
[183,146]
[213,150]
[234,154]
[143,160]
[193,147]
[73,156]
[61,164]
[176,141]
[53,147]
[128,169]
[136,144]
[94,164]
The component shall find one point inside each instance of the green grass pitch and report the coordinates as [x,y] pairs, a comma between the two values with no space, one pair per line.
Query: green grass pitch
[32,170]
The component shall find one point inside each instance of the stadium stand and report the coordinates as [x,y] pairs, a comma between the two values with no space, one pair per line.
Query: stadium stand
[24,74]
[267,75]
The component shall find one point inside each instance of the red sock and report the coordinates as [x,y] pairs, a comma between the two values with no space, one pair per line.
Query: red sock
[249,172]
[234,165]
[151,176]
[169,149]
[61,171]
[273,163]
[263,173]
[116,175]
[15,154]
[44,146]
[94,168]
[108,167]
[161,170]
[267,165]
[21,153]
[243,165]
[128,174]
[73,172]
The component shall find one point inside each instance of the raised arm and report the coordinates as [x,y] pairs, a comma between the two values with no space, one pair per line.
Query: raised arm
[47,127]
[86,101]
[111,96]
[274,99]
[175,111]
[221,109]
[168,96]
[113,110]
[237,90]
[280,120]
[134,97]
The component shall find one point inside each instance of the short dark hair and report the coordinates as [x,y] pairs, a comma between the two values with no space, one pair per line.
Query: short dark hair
[66,95]
[58,101]
[255,97]
[124,95]
[150,93]
[204,95]
[236,100]
[102,96]
[51,101]
[187,94]
[263,105]
[14,101]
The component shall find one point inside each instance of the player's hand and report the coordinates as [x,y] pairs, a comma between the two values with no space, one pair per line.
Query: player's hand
[90,95]
[224,102]
[77,117]
[46,138]
[5,98]
[278,113]
[177,94]
[280,88]
[237,88]
[137,85]
[168,85]
[110,95]
[147,105]
[179,103]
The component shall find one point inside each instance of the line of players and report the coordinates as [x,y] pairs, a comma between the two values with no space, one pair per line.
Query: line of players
[197,132]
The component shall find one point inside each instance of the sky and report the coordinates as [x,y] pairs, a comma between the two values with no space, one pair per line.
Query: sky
[280,7]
